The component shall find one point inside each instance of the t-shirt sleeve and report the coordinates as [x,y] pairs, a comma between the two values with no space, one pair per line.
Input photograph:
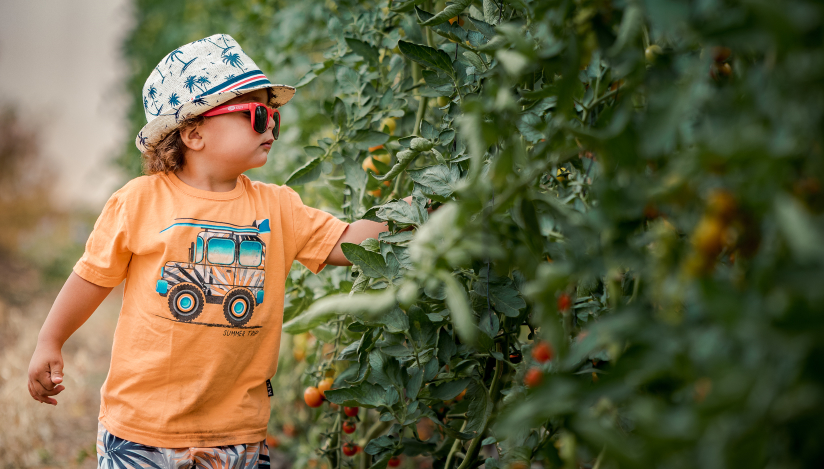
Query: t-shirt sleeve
[315,232]
[107,256]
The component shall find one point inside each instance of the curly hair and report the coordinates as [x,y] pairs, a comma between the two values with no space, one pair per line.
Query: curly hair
[168,155]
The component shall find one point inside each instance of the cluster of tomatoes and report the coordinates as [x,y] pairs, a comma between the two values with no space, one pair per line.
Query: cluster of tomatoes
[542,353]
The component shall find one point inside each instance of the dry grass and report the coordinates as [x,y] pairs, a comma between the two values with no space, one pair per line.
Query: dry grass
[33,434]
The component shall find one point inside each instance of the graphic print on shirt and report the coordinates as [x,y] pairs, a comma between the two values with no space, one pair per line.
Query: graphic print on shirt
[225,266]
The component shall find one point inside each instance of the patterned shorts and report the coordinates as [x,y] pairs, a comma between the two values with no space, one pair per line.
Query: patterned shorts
[117,453]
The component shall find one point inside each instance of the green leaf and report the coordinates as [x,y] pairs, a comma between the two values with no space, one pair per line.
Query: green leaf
[355,177]
[371,263]
[413,386]
[441,179]
[452,10]
[347,79]
[386,370]
[380,444]
[441,85]
[329,307]
[421,329]
[314,152]
[340,113]
[485,28]
[395,320]
[451,31]
[405,5]
[446,346]
[401,212]
[306,79]
[428,131]
[428,57]
[492,11]
[363,395]
[364,139]
[363,49]
[459,308]
[305,174]
[480,408]
[502,294]
[401,237]
[448,390]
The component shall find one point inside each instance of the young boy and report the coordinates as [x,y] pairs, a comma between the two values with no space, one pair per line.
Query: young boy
[204,252]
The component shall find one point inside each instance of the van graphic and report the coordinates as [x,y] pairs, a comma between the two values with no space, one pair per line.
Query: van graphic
[225,266]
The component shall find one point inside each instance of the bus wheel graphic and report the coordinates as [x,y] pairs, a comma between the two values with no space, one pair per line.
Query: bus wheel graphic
[185,302]
[238,306]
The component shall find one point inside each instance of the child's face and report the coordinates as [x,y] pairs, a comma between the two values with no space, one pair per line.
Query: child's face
[230,144]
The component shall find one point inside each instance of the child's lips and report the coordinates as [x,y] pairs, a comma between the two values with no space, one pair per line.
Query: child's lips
[267,144]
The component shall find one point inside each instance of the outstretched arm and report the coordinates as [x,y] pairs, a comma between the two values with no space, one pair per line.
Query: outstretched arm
[356,233]
[74,304]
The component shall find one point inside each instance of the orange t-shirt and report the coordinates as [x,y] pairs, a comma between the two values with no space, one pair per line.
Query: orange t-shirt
[199,331]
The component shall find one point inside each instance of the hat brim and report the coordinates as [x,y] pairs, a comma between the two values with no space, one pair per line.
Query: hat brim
[161,126]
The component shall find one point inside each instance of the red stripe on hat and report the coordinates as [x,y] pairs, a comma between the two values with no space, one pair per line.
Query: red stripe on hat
[240,83]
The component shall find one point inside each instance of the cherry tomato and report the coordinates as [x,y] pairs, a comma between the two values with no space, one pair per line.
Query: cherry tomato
[542,352]
[325,385]
[349,427]
[350,411]
[350,449]
[564,302]
[312,397]
[394,462]
[533,377]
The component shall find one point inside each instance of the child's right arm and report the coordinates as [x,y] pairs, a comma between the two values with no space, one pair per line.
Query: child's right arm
[74,304]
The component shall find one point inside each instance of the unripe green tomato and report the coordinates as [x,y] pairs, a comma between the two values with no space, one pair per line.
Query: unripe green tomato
[653,52]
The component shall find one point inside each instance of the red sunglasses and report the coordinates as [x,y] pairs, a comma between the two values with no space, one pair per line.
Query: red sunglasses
[258,113]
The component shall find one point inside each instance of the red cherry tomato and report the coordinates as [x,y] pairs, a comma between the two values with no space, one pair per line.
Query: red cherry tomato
[350,411]
[394,462]
[350,449]
[564,302]
[542,352]
[349,427]
[533,377]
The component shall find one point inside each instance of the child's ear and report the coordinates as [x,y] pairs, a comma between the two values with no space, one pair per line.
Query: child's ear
[192,138]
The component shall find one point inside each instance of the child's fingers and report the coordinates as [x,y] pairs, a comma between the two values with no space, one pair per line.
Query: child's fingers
[56,371]
[40,393]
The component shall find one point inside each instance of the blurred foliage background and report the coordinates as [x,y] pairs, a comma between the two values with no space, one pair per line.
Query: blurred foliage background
[634,184]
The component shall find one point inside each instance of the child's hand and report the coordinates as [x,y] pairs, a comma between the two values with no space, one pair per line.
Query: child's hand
[46,373]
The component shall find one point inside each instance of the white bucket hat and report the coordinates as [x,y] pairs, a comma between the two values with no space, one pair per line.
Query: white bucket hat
[196,77]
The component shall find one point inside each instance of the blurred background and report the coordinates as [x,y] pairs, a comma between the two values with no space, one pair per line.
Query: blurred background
[70,80]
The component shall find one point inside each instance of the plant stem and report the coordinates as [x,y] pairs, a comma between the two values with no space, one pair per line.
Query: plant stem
[494,390]
[455,446]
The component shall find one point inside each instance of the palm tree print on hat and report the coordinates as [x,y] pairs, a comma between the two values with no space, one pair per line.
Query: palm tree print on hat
[174,100]
[152,94]
[162,76]
[234,60]
[225,47]
[174,56]
[141,138]
[193,81]
[203,81]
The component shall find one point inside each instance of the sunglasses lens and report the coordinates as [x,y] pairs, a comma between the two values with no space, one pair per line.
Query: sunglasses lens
[276,129]
[261,118]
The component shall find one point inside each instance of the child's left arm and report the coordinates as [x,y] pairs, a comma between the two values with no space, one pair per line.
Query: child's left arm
[356,233]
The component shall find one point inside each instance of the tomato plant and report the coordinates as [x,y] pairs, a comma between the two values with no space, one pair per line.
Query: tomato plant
[636,183]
